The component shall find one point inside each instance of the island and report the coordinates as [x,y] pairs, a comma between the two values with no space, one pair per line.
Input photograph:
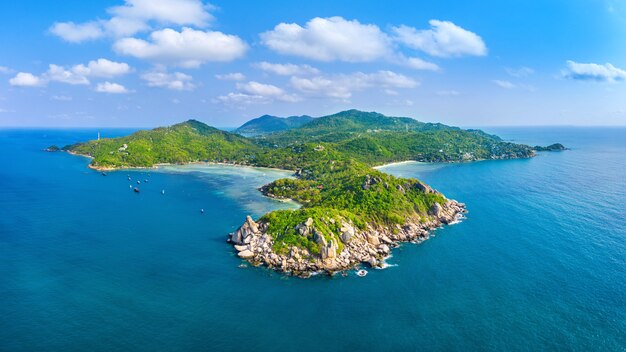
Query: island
[351,214]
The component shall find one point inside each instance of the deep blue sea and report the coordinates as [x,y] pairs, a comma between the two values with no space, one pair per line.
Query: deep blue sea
[88,265]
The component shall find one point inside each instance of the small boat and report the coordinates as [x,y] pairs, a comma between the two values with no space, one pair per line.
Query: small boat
[136,190]
[145,181]
[201,211]
[130,186]
[104,174]
[138,182]
[128,178]
[361,273]
[163,192]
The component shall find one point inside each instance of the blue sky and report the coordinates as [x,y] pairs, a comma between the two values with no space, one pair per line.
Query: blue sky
[155,62]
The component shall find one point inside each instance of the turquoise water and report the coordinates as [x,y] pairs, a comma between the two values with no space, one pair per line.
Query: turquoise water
[86,264]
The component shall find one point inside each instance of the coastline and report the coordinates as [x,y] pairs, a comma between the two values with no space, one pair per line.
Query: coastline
[370,246]
[158,165]
[397,163]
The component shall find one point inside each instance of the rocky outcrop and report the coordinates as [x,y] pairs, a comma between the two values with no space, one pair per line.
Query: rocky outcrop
[369,246]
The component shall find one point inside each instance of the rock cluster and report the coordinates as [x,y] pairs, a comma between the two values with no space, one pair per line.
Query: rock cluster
[370,245]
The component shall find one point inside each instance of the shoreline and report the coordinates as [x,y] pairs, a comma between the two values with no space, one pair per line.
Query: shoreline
[158,165]
[399,163]
[370,246]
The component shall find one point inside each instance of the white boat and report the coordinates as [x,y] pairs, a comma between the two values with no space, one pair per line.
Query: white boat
[361,272]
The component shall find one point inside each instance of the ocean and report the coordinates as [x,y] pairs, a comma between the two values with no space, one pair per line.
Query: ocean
[86,264]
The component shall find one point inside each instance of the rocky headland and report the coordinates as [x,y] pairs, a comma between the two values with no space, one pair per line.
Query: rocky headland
[369,246]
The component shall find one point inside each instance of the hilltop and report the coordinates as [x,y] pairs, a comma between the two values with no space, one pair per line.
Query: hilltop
[268,124]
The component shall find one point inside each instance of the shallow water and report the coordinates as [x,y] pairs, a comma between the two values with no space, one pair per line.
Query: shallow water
[86,264]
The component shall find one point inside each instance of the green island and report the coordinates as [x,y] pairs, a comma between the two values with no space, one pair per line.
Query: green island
[350,212]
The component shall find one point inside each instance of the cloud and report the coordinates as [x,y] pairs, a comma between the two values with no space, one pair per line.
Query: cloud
[76,75]
[179,12]
[444,39]
[286,69]
[60,74]
[238,99]
[235,76]
[188,48]
[593,72]
[337,39]
[329,39]
[136,16]
[5,70]
[342,86]
[419,64]
[504,84]
[25,79]
[267,91]
[76,33]
[174,81]
[519,72]
[111,88]
[257,93]
[102,68]
[61,98]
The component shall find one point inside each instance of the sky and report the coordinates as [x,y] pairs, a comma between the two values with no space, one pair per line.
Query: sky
[146,63]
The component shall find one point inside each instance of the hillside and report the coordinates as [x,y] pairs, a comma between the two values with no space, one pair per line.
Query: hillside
[181,143]
[268,124]
[374,138]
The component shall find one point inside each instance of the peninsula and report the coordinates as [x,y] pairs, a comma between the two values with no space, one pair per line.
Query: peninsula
[350,212]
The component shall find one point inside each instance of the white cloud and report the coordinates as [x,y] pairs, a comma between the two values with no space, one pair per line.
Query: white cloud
[5,70]
[257,93]
[444,39]
[286,69]
[174,81]
[504,84]
[25,79]
[235,76]
[519,72]
[102,68]
[267,91]
[135,16]
[188,48]
[61,98]
[60,74]
[77,74]
[593,72]
[112,88]
[76,33]
[236,99]
[3,111]
[179,12]
[342,86]
[419,64]
[329,39]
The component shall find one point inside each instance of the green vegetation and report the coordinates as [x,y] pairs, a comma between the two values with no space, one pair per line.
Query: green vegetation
[269,124]
[332,157]
[185,142]
[551,148]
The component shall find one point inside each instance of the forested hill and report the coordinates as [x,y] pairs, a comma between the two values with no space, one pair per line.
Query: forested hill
[367,137]
[268,124]
[181,143]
